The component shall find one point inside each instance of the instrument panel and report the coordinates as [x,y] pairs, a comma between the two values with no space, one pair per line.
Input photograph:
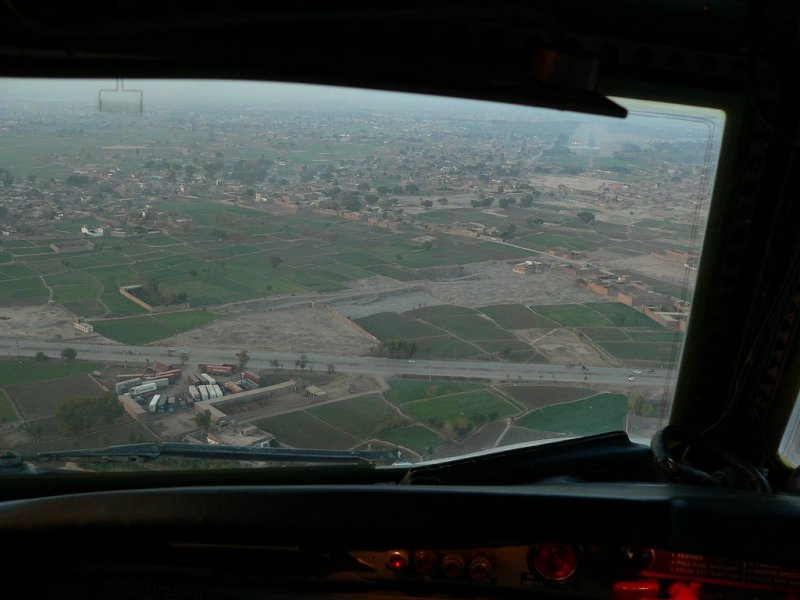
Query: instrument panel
[580,571]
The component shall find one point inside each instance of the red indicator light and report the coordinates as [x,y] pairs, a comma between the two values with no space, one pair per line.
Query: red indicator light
[397,560]
[634,590]
[425,562]
[481,569]
[452,565]
[555,562]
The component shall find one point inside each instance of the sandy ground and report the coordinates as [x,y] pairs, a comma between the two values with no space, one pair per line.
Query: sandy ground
[563,347]
[41,321]
[658,267]
[293,329]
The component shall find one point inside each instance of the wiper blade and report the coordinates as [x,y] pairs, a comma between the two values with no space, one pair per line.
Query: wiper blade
[151,452]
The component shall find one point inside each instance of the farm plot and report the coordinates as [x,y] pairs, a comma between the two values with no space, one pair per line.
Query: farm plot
[387,326]
[7,412]
[572,315]
[301,430]
[146,329]
[445,346]
[471,327]
[416,437]
[640,351]
[462,412]
[538,396]
[361,417]
[408,390]
[623,315]
[515,316]
[596,414]
[13,371]
[38,400]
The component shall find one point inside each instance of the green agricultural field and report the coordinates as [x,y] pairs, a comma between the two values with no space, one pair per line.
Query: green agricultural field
[596,414]
[186,320]
[408,390]
[477,407]
[606,334]
[361,417]
[301,430]
[149,328]
[623,315]
[445,346]
[121,306]
[87,308]
[502,346]
[572,315]
[441,310]
[387,326]
[391,271]
[515,316]
[471,327]
[7,412]
[30,370]
[417,438]
[655,336]
[133,330]
[537,396]
[659,352]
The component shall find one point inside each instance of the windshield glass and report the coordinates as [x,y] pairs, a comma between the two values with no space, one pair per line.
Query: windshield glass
[274,265]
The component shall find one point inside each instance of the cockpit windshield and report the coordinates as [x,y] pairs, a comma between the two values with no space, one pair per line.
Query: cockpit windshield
[302,267]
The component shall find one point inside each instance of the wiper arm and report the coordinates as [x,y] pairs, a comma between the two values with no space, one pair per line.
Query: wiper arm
[151,452]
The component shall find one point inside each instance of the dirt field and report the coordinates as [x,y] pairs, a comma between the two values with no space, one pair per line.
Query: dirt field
[38,400]
[562,347]
[40,321]
[655,266]
[295,330]
[498,284]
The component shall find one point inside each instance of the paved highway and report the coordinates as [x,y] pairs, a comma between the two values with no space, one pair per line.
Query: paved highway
[346,364]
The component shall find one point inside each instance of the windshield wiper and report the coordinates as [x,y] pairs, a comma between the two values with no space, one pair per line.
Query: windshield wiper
[151,452]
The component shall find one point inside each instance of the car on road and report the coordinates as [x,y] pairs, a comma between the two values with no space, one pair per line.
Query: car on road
[411,362]
[651,370]
[631,378]
[637,372]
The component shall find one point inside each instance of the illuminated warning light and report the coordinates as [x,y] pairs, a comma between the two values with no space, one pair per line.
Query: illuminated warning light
[425,562]
[397,560]
[554,562]
[481,569]
[633,590]
[452,565]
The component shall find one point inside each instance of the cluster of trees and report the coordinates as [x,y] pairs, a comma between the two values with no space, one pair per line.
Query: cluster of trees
[396,348]
[77,415]
[150,286]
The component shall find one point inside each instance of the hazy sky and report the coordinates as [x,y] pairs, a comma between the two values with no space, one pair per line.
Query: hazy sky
[168,93]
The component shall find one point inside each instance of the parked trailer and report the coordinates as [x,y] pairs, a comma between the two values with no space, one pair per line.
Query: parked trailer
[195,380]
[124,386]
[160,366]
[203,392]
[129,376]
[161,383]
[145,388]
[171,404]
[208,379]
[252,377]
[194,392]
[173,375]
[246,384]
[233,388]
[153,406]
[162,404]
